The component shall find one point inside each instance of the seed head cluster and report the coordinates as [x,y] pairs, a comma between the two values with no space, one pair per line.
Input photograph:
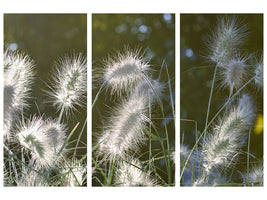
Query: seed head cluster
[228,137]
[69,83]
[35,147]
[32,178]
[124,71]
[44,139]
[259,74]
[228,37]
[132,174]
[234,72]
[18,74]
[224,48]
[229,141]
[150,90]
[255,175]
[75,173]
[18,79]
[125,130]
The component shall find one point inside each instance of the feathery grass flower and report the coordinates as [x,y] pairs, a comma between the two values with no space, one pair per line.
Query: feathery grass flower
[184,151]
[68,85]
[32,178]
[44,139]
[126,128]
[18,75]
[246,109]
[201,181]
[124,71]
[259,74]
[230,34]
[75,174]
[221,148]
[8,110]
[144,89]
[255,175]
[18,78]
[130,173]
[233,72]
[214,179]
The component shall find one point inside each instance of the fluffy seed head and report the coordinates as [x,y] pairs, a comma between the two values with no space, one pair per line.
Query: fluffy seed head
[221,148]
[246,109]
[68,85]
[226,39]
[233,72]
[259,74]
[126,128]
[43,139]
[8,110]
[31,178]
[213,179]
[201,181]
[124,71]
[18,75]
[131,174]
[144,89]
[184,152]
[18,78]
[255,175]
[75,174]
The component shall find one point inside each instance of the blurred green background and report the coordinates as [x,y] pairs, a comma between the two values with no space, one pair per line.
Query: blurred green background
[196,73]
[156,32]
[45,38]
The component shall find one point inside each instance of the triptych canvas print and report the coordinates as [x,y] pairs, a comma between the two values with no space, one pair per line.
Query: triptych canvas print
[136,108]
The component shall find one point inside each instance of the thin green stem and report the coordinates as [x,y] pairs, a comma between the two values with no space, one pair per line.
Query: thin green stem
[150,144]
[60,115]
[165,126]
[249,135]
[74,154]
[170,90]
[211,93]
[111,169]
[12,161]
[67,140]
[99,168]
[194,164]
[96,96]
[208,110]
